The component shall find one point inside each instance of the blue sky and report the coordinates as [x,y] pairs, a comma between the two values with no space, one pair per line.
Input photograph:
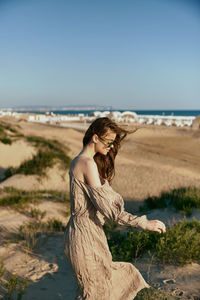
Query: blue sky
[137,54]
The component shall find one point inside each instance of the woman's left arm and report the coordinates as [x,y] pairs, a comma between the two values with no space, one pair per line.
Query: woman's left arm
[111,205]
[125,218]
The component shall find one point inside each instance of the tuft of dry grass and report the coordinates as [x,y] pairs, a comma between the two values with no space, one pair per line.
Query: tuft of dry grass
[32,232]
[18,199]
[12,286]
[49,152]
[9,133]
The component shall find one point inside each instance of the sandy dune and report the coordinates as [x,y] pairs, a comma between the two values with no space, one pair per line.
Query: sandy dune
[12,156]
[157,158]
[55,179]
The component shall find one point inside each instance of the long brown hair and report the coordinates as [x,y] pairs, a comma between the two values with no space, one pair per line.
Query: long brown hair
[106,163]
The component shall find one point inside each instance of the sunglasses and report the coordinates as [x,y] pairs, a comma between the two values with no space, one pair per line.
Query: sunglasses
[106,143]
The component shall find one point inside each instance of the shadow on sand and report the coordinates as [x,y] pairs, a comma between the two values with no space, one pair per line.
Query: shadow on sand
[2,171]
[54,285]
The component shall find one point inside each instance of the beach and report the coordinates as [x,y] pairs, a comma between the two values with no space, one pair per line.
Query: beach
[152,160]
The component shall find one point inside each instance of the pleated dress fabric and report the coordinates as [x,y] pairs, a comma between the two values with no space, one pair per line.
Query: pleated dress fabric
[86,248]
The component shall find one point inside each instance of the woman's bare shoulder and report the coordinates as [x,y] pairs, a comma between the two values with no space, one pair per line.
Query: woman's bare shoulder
[91,173]
[81,165]
[82,160]
[85,169]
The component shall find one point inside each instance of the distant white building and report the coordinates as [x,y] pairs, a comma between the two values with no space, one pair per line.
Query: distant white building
[158,121]
[126,116]
[129,116]
[101,114]
[31,118]
[168,122]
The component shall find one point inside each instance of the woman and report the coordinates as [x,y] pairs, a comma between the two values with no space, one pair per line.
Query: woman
[92,201]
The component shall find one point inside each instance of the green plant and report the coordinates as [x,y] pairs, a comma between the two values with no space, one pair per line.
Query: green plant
[54,225]
[6,126]
[152,294]
[6,140]
[40,141]
[29,233]
[2,270]
[36,165]
[37,213]
[12,286]
[53,146]
[8,133]
[130,245]
[49,152]
[182,199]
[16,286]
[179,245]
[16,198]
[32,231]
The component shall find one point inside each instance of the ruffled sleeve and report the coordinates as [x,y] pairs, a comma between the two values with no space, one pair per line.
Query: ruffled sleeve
[111,205]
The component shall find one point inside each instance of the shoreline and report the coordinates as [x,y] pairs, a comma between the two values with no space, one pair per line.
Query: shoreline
[130,117]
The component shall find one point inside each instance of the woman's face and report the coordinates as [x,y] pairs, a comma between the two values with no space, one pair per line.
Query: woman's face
[105,142]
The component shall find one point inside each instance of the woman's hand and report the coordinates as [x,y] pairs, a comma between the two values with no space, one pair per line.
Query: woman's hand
[156,225]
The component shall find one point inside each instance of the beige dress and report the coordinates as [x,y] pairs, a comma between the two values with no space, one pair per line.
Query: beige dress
[86,248]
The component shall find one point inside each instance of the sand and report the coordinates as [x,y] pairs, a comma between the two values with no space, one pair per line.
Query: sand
[150,161]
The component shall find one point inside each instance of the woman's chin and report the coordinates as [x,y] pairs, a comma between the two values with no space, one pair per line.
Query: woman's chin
[105,152]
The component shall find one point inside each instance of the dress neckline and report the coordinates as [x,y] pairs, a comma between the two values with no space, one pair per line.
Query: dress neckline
[89,186]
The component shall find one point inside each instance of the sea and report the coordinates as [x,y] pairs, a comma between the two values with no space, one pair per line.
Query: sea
[184,113]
